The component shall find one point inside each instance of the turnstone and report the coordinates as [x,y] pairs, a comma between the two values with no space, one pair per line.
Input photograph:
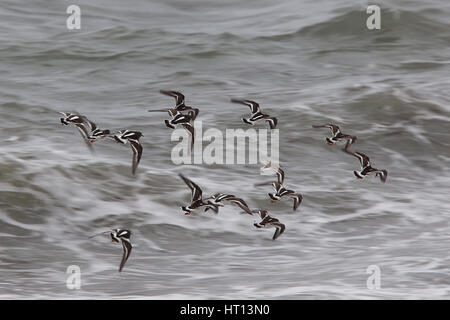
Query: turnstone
[120,236]
[80,122]
[256,113]
[219,198]
[96,133]
[366,168]
[196,198]
[269,222]
[124,136]
[337,135]
[281,191]
[180,102]
[179,118]
[71,118]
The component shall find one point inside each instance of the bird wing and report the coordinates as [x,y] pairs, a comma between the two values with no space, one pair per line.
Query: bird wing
[363,159]
[196,192]
[334,128]
[126,244]
[84,134]
[298,198]
[254,106]
[190,129]
[273,122]
[280,175]
[279,229]
[91,125]
[137,154]
[241,204]
[179,97]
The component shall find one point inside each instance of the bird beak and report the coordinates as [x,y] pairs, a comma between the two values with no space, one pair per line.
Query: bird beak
[187,213]
[273,200]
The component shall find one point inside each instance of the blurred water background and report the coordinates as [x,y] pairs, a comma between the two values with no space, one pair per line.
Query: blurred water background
[307,62]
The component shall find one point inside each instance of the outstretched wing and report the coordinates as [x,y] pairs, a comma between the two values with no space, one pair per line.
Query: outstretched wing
[126,244]
[241,204]
[92,125]
[298,198]
[137,154]
[363,159]
[84,134]
[279,229]
[382,173]
[334,128]
[280,175]
[190,129]
[179,97]
[273,122]
[196,192]
[254,106]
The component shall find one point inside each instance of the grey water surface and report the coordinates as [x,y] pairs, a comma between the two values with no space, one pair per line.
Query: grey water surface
[306,62]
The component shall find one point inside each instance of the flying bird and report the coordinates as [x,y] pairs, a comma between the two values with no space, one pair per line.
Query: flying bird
[336,134]
[281,191]
[183,119]
[80,123]
[124,136]
[221,198]
[366,167]
[269,222]
[95,132]
[180,105]
[120,236]
[196,198]
[256,115]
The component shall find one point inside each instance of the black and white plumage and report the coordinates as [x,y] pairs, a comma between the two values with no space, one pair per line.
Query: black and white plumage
[124,136]
[180,118]
[270,222]
[221,198]
[72,118]
[120,236]
[180,104]
[197,201]
[366,168]
[95,132]
[280,175]
[336,134]
[80,123]
[281,191]
[256,115]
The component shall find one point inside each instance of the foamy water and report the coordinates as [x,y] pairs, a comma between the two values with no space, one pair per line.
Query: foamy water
[307,63]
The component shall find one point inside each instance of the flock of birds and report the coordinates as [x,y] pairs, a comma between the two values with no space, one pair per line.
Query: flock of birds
[183,115]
